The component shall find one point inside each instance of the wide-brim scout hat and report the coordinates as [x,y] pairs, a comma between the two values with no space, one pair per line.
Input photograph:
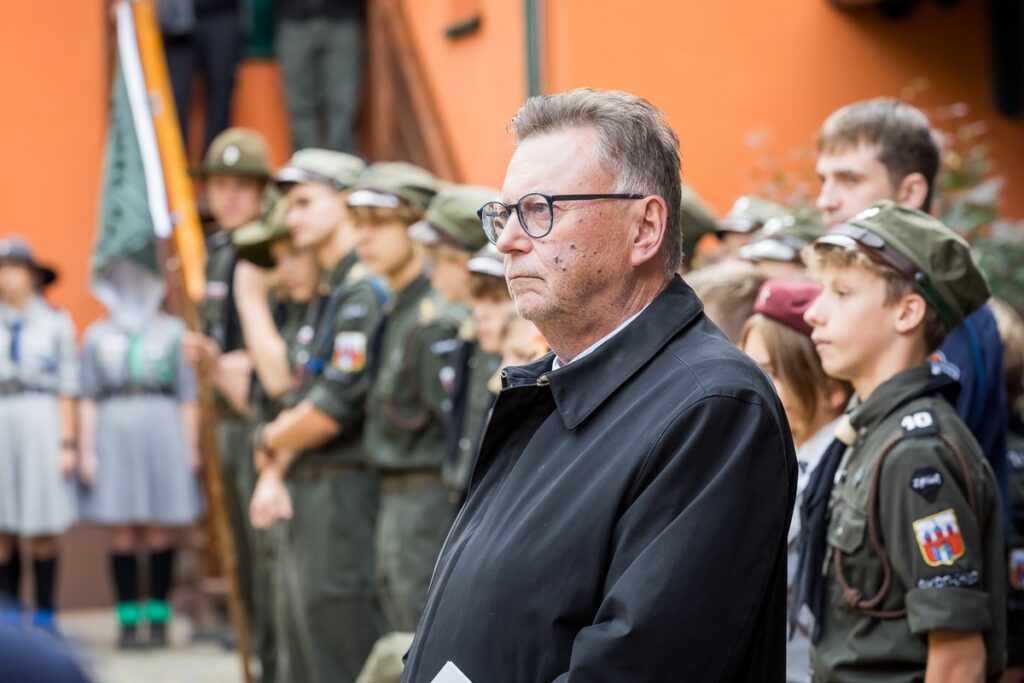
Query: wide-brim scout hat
[395,185]
[935,259]
[749,214]
[784,237]
[16,251]
[324,166]
[488,261]
[786,301]
[452,219]
[236,151]
[252,241]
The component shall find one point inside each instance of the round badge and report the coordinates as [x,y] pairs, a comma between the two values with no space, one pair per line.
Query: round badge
[231,155]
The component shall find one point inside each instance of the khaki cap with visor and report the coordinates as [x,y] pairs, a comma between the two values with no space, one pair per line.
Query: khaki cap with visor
[252,241]
[393,185]
[784,237]
[452,218]
[749,214]
[236,151]
[324,166]
[921,248]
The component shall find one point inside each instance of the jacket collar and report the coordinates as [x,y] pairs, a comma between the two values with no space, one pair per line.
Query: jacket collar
[580,387]
[899,390]
[337,276]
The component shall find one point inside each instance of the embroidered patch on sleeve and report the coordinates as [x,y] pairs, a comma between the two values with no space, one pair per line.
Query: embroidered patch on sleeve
[349,351]
[920,423]
[926,483]
[1017,568]
[938,538]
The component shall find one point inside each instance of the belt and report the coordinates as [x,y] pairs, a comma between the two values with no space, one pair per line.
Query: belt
[12,387]
[399,481]
[306,470]
[135,390]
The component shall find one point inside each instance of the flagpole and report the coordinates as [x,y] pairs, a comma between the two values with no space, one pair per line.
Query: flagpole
[183,260]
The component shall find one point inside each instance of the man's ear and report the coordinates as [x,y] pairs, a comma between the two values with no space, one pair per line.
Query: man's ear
[912,192]
[910,313]
[651,224]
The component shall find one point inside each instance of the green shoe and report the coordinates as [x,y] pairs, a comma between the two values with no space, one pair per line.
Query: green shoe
[158,614]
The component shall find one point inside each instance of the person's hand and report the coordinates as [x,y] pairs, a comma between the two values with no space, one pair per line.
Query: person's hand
[68,461]
[271,501]
[252,283]
[88,466]
[199,347]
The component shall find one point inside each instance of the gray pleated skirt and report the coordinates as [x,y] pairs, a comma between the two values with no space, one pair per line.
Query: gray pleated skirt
[143,476]
[35,498]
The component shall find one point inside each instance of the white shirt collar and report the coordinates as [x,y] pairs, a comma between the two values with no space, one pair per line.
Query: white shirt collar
[557,364]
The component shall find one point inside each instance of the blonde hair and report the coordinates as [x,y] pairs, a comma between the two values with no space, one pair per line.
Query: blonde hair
[819,257]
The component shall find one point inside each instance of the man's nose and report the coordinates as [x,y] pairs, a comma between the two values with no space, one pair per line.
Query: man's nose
[828,200]
[513,237]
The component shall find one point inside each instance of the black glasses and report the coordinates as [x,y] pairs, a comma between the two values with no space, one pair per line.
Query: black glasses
[536,212]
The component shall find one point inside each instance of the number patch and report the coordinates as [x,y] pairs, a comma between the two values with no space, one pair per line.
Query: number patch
[921,423]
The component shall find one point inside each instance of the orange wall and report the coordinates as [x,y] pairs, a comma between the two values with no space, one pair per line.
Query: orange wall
[726,73]
[51,135]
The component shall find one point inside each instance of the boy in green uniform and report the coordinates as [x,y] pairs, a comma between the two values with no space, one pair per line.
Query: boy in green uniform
[907,575]
[450,234]
[411,358]
[234,175]
[315,475]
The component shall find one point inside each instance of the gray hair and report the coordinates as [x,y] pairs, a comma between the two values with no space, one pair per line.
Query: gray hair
[635,144]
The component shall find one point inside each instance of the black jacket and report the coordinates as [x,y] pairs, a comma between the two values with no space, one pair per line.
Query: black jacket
[626,519]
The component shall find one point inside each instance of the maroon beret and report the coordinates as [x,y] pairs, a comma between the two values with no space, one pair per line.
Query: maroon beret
[786,301]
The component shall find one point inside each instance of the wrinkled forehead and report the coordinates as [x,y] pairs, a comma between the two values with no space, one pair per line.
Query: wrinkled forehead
[565,161]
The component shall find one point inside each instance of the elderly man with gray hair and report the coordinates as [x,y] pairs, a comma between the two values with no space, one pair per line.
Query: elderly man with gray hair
[626,516]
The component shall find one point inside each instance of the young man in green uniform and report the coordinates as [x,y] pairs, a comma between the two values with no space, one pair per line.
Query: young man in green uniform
[234,174]
[411,358]
[913,580]
[450,234]
[315,475]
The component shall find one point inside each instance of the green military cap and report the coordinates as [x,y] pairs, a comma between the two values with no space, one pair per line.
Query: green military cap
[920,247]
[391,184]
[313,165]
[236,151]
[749,214]
[488,261]
[252,241]
[452,219]
[784,237]
[696,219]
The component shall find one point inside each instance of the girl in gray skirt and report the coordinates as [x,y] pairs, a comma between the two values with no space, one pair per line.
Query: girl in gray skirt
[139,438]
[38,383]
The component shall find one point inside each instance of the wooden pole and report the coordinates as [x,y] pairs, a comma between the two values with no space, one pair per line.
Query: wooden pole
[184,265]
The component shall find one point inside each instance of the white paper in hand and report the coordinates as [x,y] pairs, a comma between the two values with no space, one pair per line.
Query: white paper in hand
[450,673]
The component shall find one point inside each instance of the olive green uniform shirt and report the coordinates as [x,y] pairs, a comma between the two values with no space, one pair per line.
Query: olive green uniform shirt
[331,353]
[405,417]
[937,519]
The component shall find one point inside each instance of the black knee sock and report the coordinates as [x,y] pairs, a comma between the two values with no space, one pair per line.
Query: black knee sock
[125,568]
[45,575]
[10,578]
[161,569]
